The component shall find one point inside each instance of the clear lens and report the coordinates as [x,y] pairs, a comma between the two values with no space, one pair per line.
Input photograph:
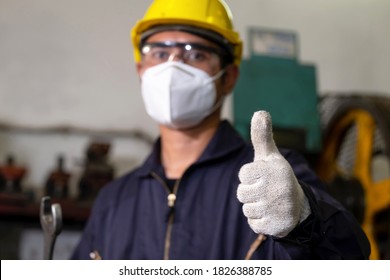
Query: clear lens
[194,54]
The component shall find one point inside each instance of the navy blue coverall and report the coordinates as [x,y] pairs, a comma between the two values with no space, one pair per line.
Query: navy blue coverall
[136,217]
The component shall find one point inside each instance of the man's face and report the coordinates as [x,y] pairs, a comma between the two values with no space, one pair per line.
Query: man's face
[190,49]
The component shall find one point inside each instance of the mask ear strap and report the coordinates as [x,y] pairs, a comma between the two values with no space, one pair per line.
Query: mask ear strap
[220,101]
[217,105]
[218,75]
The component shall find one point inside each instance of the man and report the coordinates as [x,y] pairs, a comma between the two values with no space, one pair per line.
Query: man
[204,193]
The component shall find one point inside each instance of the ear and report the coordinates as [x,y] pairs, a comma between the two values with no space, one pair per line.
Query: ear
[138,67]
[230,78]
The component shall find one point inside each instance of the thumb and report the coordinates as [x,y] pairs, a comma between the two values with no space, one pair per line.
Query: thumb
[261,135]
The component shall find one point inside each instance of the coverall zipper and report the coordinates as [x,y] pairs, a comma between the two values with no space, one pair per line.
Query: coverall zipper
[171,201]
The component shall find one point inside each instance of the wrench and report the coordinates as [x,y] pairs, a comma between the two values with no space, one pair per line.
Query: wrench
[51,223]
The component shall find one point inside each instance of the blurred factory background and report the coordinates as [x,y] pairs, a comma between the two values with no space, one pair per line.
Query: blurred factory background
[72,117]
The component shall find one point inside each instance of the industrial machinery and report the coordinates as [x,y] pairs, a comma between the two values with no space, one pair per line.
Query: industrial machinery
[272,79]
[355,162]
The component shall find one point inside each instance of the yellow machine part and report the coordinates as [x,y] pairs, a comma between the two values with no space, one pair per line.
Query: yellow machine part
[377,194]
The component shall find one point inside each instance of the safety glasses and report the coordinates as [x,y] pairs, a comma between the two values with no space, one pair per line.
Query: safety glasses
[194,54]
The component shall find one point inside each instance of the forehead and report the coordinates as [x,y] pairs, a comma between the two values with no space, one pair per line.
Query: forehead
[178,36]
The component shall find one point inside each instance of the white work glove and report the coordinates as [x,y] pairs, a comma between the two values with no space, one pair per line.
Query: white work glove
[274,202]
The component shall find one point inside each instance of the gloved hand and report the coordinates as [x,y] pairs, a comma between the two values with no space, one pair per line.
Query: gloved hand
[274,202]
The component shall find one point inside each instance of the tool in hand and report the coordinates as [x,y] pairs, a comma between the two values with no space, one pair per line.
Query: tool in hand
[51,222]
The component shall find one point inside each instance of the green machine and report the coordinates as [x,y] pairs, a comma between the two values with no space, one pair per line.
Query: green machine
[273,80]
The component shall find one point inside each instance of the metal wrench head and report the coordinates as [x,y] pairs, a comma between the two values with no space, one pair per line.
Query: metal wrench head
[51,222]
[50,217]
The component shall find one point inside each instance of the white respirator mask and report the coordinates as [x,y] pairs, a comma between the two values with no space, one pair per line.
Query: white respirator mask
[178,95]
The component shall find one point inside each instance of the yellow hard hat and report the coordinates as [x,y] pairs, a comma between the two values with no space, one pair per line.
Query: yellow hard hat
[206,16]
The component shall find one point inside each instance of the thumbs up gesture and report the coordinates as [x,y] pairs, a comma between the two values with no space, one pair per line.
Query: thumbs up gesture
[274,202]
